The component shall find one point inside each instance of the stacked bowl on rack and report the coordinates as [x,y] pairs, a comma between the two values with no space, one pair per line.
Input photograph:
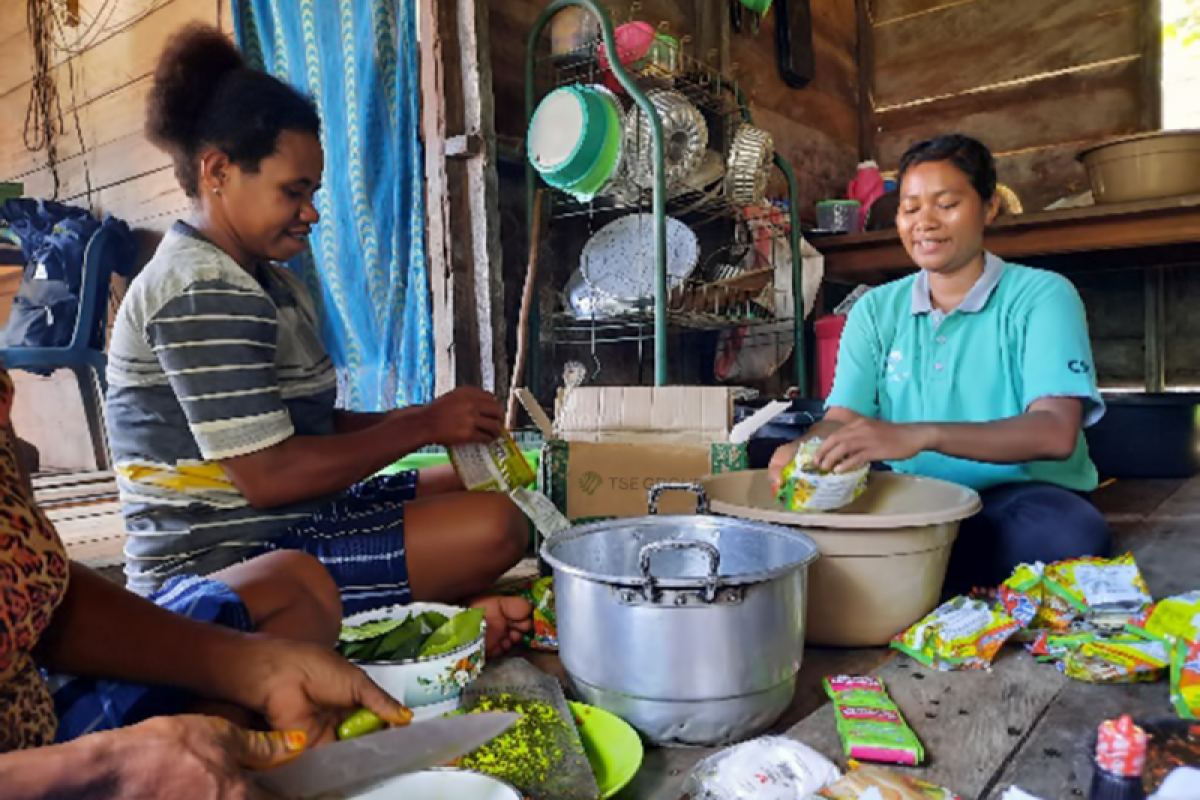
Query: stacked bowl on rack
[576,140]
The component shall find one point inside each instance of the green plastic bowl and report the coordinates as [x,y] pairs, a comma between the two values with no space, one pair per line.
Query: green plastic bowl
[590,145]
[606,163]
[613,747]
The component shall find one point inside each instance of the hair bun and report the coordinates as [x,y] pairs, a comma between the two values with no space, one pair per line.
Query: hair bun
[190,71]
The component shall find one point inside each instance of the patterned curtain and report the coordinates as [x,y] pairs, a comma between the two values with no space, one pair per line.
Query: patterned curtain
[367,269]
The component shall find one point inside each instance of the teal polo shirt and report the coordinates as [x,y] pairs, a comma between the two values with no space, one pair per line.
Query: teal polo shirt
[1019,335]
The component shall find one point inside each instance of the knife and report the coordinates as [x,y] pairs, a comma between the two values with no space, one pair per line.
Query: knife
[353,763]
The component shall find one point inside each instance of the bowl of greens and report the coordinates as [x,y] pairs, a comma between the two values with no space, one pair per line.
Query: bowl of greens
[423,654]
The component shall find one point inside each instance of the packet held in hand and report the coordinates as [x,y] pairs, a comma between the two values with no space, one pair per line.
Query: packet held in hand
[960,634]
[1185,679]
[768,768]
[869,781]
[1167,620]
[805,487]
[869,723]
[501,467]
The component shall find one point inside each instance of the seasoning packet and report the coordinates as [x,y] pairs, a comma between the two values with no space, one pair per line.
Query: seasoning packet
[1113,661]
[869,723]
[1048,646]
[1185,678]
[858,784]
[805,487]
[1098,589]
[1170,619]
[501,467]
[540,594]
[767,768]
[960,634]
[1020,597]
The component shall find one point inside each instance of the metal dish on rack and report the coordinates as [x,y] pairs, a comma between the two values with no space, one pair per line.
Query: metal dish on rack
[584,301]
[618,260]
[750,157]
[685,138]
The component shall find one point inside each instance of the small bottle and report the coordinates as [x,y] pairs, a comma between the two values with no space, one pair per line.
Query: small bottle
[1120,758]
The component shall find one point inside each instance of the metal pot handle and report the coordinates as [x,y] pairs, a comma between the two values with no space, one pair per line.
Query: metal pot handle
[657,491]
[714,565]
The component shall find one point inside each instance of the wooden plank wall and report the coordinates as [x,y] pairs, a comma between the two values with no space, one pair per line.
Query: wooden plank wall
[105,162]
[1034,80]
[816,128]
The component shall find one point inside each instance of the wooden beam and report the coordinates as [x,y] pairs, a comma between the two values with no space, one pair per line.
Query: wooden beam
[456,355]
[483,194]
[868,132]
[1152,45]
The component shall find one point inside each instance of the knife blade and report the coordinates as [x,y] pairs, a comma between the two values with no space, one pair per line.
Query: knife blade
[366,759]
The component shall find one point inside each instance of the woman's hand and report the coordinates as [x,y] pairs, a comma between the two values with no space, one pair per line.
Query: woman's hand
[188,756]
[302,687]
[464,416]
[862,441]
[782,456]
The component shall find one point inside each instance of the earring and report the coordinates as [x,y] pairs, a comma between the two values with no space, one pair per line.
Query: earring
[216,190]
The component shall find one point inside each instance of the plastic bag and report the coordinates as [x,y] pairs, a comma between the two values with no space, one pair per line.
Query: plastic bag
[1113,661]
[804,487]
[769,768]
[960,634]
[1098,589]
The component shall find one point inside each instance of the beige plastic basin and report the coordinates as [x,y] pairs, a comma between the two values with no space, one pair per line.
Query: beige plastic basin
[883,557]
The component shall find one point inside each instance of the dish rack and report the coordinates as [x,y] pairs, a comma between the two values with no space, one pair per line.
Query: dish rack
[721,292]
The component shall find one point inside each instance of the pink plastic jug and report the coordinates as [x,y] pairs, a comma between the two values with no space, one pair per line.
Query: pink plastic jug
[866,188]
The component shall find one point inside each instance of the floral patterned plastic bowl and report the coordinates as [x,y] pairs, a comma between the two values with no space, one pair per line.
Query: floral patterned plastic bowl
[430,686]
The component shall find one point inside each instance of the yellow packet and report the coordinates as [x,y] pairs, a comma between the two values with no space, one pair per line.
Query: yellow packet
[804,487]
[496,467]
[960,634]
[1167,620]
[1106,661]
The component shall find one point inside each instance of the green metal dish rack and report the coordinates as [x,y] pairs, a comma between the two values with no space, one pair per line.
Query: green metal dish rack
[659,194]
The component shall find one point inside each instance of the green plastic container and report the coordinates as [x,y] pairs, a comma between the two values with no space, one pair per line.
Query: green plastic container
[590,146]
[613,747]
[606,162]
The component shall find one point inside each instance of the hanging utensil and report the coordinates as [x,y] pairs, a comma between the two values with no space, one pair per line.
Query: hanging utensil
[794,42]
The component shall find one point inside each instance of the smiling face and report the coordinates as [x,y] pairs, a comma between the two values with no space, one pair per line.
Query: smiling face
[941,218]
[267,214]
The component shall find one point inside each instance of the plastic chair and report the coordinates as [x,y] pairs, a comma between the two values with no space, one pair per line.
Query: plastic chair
[85,354]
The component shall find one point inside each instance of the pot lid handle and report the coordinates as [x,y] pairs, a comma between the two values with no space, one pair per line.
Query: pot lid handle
[714,565]
[657,491]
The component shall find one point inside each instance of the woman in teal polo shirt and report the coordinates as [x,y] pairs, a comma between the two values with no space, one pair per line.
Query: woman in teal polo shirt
[972,370]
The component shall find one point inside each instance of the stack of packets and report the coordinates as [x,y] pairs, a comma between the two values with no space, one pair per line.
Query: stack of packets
[805,487]
[869,782]
[869,723]
[1092,617]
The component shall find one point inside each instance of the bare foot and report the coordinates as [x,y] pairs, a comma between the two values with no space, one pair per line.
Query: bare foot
[508,619]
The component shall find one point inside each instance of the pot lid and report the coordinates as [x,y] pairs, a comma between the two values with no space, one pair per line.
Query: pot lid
[679,551]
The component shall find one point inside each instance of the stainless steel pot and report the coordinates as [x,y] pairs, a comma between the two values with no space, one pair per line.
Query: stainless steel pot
[691,628]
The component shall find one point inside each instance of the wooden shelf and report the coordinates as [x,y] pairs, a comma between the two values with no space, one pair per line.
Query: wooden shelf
[1123,235]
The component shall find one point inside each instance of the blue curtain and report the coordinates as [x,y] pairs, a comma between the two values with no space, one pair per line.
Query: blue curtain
[367,268]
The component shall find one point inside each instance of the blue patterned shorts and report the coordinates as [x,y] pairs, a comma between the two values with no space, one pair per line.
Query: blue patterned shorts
[359,537]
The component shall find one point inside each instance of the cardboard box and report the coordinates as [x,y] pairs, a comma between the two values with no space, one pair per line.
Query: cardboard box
[610,445]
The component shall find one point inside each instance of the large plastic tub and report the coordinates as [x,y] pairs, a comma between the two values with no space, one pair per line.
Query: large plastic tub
[883,558]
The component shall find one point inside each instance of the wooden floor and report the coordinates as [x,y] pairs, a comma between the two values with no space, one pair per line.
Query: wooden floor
[1021,724]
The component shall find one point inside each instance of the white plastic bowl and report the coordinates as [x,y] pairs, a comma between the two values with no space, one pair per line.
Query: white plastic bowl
[429,686]
[440,784]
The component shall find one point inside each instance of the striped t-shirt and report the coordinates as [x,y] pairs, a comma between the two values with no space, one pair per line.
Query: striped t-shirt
[207,362]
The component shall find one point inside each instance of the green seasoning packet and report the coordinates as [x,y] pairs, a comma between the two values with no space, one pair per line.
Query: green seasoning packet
[869,723]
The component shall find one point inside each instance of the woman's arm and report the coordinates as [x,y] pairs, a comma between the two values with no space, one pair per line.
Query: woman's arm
[201,758]
[309,467]
[101,630]
[1048,431]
